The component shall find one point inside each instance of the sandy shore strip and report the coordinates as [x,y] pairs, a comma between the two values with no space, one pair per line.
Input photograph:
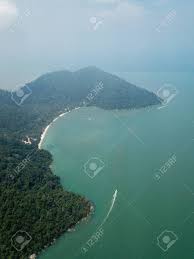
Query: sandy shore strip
[47,128]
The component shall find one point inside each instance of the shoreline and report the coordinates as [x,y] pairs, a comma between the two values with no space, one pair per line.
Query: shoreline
[68,231]
[43,135]
[90,213]
[91,205]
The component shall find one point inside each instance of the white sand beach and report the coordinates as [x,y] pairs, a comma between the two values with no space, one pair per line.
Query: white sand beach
[47,128]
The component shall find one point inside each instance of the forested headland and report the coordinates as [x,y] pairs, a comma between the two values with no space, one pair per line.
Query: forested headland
[32,198]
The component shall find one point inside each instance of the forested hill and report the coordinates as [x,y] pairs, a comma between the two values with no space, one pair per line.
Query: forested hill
[31,197]
[51,93]
[74,87]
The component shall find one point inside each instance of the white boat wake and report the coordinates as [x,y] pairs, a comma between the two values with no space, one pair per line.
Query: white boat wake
[111,207]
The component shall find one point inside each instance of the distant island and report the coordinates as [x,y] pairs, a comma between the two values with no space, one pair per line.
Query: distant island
[32,198]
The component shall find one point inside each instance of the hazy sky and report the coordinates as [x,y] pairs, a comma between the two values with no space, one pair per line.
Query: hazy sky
[115,35]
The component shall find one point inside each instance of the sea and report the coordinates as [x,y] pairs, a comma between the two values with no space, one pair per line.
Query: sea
[137,168]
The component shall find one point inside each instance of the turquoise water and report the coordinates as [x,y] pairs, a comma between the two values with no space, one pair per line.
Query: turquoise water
[129,148]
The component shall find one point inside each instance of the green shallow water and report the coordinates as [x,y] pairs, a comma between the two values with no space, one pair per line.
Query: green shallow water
[131,146]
